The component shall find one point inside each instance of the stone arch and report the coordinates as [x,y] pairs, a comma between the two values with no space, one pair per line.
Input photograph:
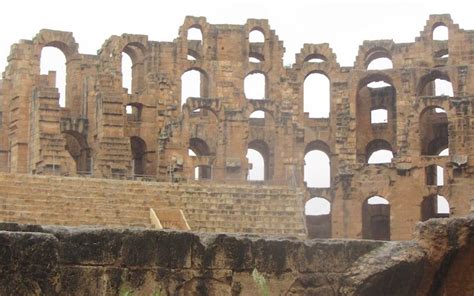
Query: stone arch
[318,145]
[440,31]
[196,30]
[375,77]
[316,57]
[266,118]
[376,218]
[136,52]
[64,41]
[317,84]
[259,34]
[426,85]
[432,206]
[255,56]
[53,60]
[262,147]
[318,217]
[378,145]
[317,165]
[199,147]
[256,85]
[199,82]
[376,53]
[76,145]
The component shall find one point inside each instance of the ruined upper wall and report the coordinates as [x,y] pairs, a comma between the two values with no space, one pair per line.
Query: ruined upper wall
[95,134]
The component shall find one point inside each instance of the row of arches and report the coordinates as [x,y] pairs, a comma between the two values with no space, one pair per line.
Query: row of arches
[317,164]
[256,35]
[316,92]
[375,215]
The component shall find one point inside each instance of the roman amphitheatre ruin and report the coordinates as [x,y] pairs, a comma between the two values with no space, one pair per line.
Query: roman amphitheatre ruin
[89,175]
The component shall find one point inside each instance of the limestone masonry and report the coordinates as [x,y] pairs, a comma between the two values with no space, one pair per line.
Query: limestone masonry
[190,153]
[38,260]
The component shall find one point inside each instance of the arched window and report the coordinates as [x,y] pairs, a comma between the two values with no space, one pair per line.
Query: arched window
[380,156]
[435,83]
[194,33]
[317,95]
[379,115]
[434,206]
[53,59]
[380,64]
[440,32]
[193,85]
[199,147]
[256,36]
[376,218]
[254,86]
[317,206]
[318,217]
[257,162]
[379,151]
[433,131]
[317,169]
[258,155]
[127,72]
[257,114]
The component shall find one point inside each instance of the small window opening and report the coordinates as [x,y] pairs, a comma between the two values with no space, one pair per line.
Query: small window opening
[379,116]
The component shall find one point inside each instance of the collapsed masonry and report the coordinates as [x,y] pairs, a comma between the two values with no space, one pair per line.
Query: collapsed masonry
[107,131]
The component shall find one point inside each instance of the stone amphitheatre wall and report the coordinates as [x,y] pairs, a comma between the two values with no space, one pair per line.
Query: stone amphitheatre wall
[52,200]
[36,260]
[146,132]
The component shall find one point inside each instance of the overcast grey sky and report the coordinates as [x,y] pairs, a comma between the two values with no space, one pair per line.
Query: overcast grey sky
[343,24]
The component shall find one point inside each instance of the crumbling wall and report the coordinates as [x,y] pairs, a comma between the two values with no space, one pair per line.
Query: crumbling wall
[38,260]
[94,134]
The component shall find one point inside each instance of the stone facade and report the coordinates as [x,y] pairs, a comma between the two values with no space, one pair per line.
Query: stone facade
[107,131]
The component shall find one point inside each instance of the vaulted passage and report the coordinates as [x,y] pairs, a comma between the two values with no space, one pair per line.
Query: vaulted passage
[138,148]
